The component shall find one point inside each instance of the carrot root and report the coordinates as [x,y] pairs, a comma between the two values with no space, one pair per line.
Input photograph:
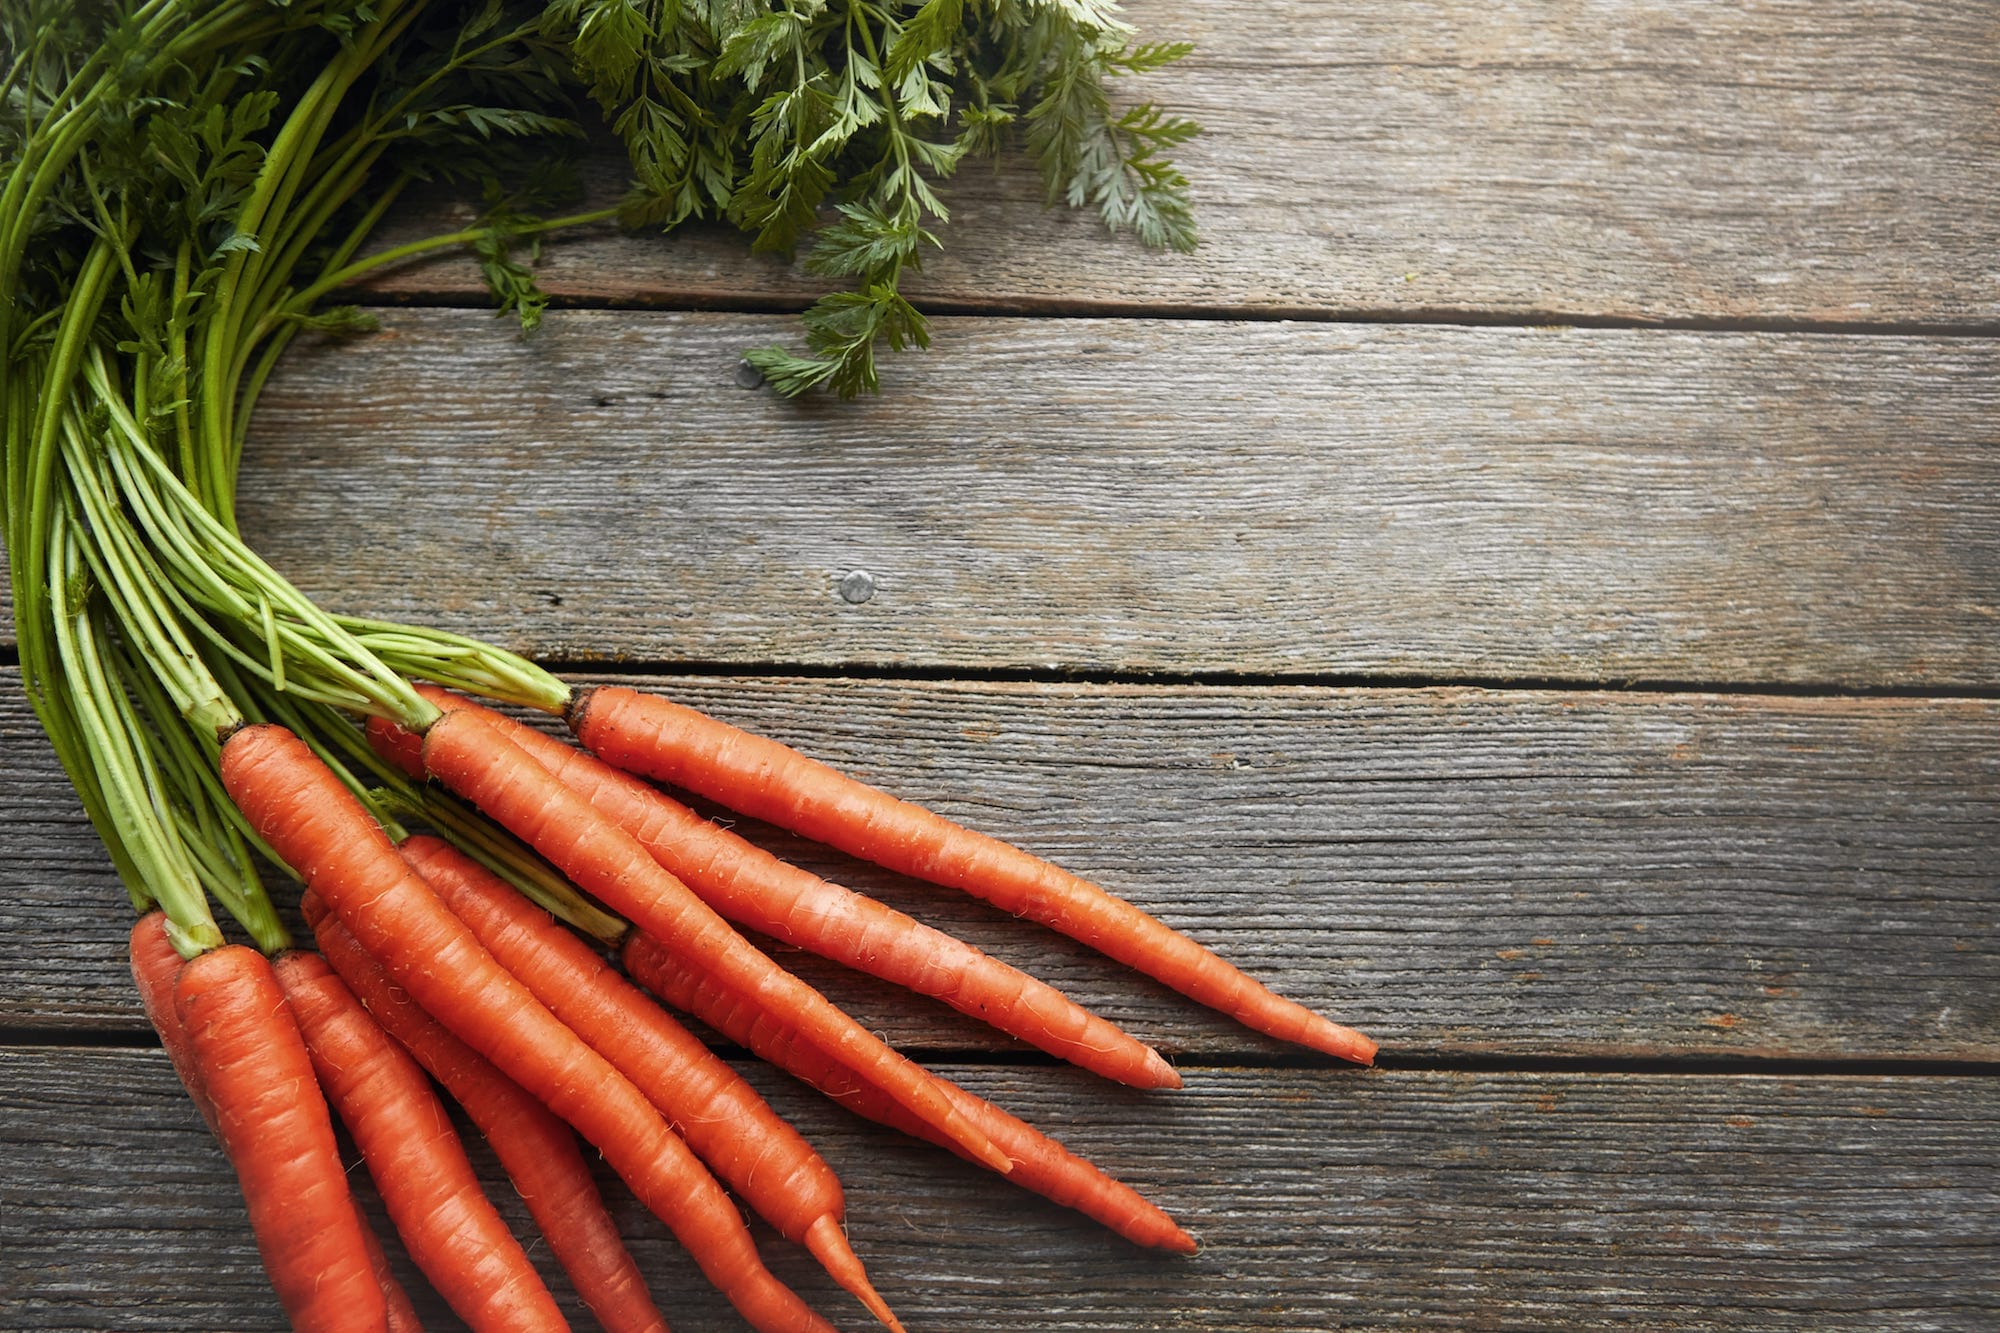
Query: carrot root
[537,1150]
[648,735]
[1040,1163]
[304,813]
[401,1311]
[827,1242]
[720,1115]
[405,1135]
[279,1134]
[602,859]
[758,891]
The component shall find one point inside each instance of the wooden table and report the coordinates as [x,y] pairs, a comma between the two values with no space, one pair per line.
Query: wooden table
[1528,586]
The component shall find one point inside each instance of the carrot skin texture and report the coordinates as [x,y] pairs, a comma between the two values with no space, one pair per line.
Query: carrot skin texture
[721,1117]
[537,1150]
[311,821]
[275,1126]
[754,889]
[648,735]
[155,965]
[406,1136]
[1040,1163]
[602,859]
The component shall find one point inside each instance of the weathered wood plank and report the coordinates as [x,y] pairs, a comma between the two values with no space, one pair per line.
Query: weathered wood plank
[1455,871]
[1786,160]
[1180,496]
[1146,496]
[1515,1200]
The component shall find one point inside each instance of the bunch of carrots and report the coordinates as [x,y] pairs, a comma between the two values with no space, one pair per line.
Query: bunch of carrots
[164,232]
[429,962]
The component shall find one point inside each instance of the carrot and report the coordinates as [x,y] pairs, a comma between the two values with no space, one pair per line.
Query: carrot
[406,1136]
[155,965]
[754,889]
[537,1150]
[652,736]
[303,812]
[275,1127]
[722,1118]
[602,859]
[1040,1163]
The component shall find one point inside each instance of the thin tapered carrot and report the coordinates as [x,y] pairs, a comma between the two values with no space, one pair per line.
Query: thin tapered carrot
[304,813]
[722,1118]
[537,1150]
[275,1126]
[155,965]
[752,775]
[1040,1163]
[406,1137]
[602,859]
[755,889]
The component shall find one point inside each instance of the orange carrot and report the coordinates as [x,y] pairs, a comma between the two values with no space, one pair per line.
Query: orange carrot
[649,735]
[537,1150]
[1040,1163]
[722,1118]
[406,1136]
[275,1127]
[754,889]
[155,965]
[602,859]
[301,810]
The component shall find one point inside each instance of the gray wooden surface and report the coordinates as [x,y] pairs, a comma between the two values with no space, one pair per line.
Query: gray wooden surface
[1603,717]
[1321,1198]
[1781,162]
[1459,872]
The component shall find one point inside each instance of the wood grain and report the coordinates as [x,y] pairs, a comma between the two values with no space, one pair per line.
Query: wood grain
[1778,161]
[1161,496]
[1454,871]
[1510,1200]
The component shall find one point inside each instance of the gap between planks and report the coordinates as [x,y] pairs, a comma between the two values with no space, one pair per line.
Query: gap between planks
[754,303]
[1388,1062]
[587,669]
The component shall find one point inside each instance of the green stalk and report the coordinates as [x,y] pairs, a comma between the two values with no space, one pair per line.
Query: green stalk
[309,296]
[506,857]
[290,155]
[216,830]
[159,859]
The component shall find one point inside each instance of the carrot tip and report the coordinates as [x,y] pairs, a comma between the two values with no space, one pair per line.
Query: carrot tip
[1330,1037]
[991,1156]
[826,1242]
[1158,1073]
